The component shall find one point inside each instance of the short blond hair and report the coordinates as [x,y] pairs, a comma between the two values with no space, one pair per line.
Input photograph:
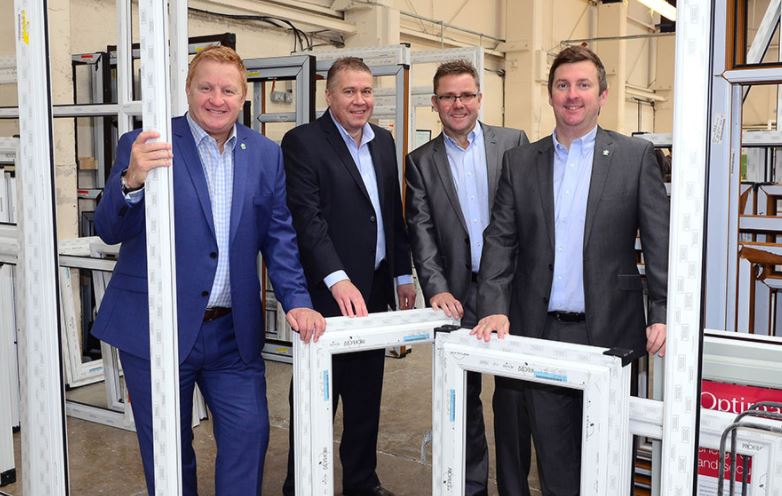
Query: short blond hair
[222,55]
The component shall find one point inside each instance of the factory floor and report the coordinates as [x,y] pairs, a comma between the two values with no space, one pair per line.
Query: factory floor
[105,460]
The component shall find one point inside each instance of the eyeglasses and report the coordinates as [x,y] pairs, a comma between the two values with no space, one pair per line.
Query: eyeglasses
[465,98]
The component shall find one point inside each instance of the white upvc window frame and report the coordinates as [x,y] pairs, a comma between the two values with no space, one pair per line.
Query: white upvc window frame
[312,382]
[603,378]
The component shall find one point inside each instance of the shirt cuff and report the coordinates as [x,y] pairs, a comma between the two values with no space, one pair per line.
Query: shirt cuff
[405,279]
[133,197]
[334,278]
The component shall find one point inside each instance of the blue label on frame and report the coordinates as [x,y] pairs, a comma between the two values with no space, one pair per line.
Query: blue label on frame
[416,337]
[550,376]
[452,405]
[326,387]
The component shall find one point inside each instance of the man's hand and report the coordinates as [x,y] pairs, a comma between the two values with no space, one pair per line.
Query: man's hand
[349,299]
[406,294]
[446,302]
[487,325]
[145,156]
[655,339]
[307,322]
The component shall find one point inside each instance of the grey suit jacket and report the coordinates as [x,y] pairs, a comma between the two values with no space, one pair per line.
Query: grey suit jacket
[626,195]
[436,226]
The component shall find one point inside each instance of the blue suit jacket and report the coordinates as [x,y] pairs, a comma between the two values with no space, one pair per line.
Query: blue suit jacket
[260,221]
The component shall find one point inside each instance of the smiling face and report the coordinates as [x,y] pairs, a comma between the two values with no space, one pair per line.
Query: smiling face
[576,99]
[351,99]
[215,96]
[458,118]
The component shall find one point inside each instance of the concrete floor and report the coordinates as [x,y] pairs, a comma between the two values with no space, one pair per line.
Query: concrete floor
[105,460]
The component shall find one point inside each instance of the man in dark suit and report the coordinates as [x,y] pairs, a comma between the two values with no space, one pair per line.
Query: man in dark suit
[559,256]
[229,205]
[451,183]
[343,192]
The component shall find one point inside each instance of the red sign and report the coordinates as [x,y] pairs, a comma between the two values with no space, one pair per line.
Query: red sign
[731,398]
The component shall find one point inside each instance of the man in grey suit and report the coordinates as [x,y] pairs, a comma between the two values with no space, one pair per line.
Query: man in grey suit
[559,257]
[450,189]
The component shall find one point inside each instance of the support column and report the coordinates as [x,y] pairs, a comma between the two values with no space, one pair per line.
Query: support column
[663,111]
[377,24]
[64,137]
[612,21]
[526,67]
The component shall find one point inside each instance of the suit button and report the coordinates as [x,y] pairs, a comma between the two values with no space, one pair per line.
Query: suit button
[204,293]
[467,240]
[550,266]
[372,218]
[213,254]
[545,300]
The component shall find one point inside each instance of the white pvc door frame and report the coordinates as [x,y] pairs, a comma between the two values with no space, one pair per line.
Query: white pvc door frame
[43,402]
[44,452]
[686,248]
[161,262]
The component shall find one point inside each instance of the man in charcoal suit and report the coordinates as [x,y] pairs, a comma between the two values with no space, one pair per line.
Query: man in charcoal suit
[451,183]
[559,260]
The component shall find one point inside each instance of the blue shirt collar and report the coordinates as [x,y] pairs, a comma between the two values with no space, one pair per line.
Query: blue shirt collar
[199,134]
[367,133]
[586,142]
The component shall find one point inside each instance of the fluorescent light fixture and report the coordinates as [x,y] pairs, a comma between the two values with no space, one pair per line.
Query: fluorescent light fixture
[664,8]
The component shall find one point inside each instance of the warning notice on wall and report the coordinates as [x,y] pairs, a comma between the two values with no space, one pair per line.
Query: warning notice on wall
[731,398]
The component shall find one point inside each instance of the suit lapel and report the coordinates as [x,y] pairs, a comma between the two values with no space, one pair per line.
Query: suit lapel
[187,150]
[601,164]
[545,171]
[241,163]
[443,168]
[334,138]
[493,160]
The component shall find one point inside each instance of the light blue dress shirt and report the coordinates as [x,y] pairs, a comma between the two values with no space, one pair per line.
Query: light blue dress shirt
[572,175]
[471,179]
[218,169]
[363,160]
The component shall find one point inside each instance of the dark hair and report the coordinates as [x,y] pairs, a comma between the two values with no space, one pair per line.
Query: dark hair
[573,54]
[222,55]
[345,64]
[455,68]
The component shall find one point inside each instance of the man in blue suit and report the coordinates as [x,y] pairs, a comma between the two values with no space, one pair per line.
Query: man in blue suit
[229,205]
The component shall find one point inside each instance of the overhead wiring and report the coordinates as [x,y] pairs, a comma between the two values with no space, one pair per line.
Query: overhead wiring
[304,40]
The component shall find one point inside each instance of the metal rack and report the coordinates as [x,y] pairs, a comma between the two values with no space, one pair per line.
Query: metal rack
[9,379]
[739,423]
[301,70]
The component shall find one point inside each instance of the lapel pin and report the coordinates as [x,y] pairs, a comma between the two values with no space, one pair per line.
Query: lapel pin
[243,146]
[605,152]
